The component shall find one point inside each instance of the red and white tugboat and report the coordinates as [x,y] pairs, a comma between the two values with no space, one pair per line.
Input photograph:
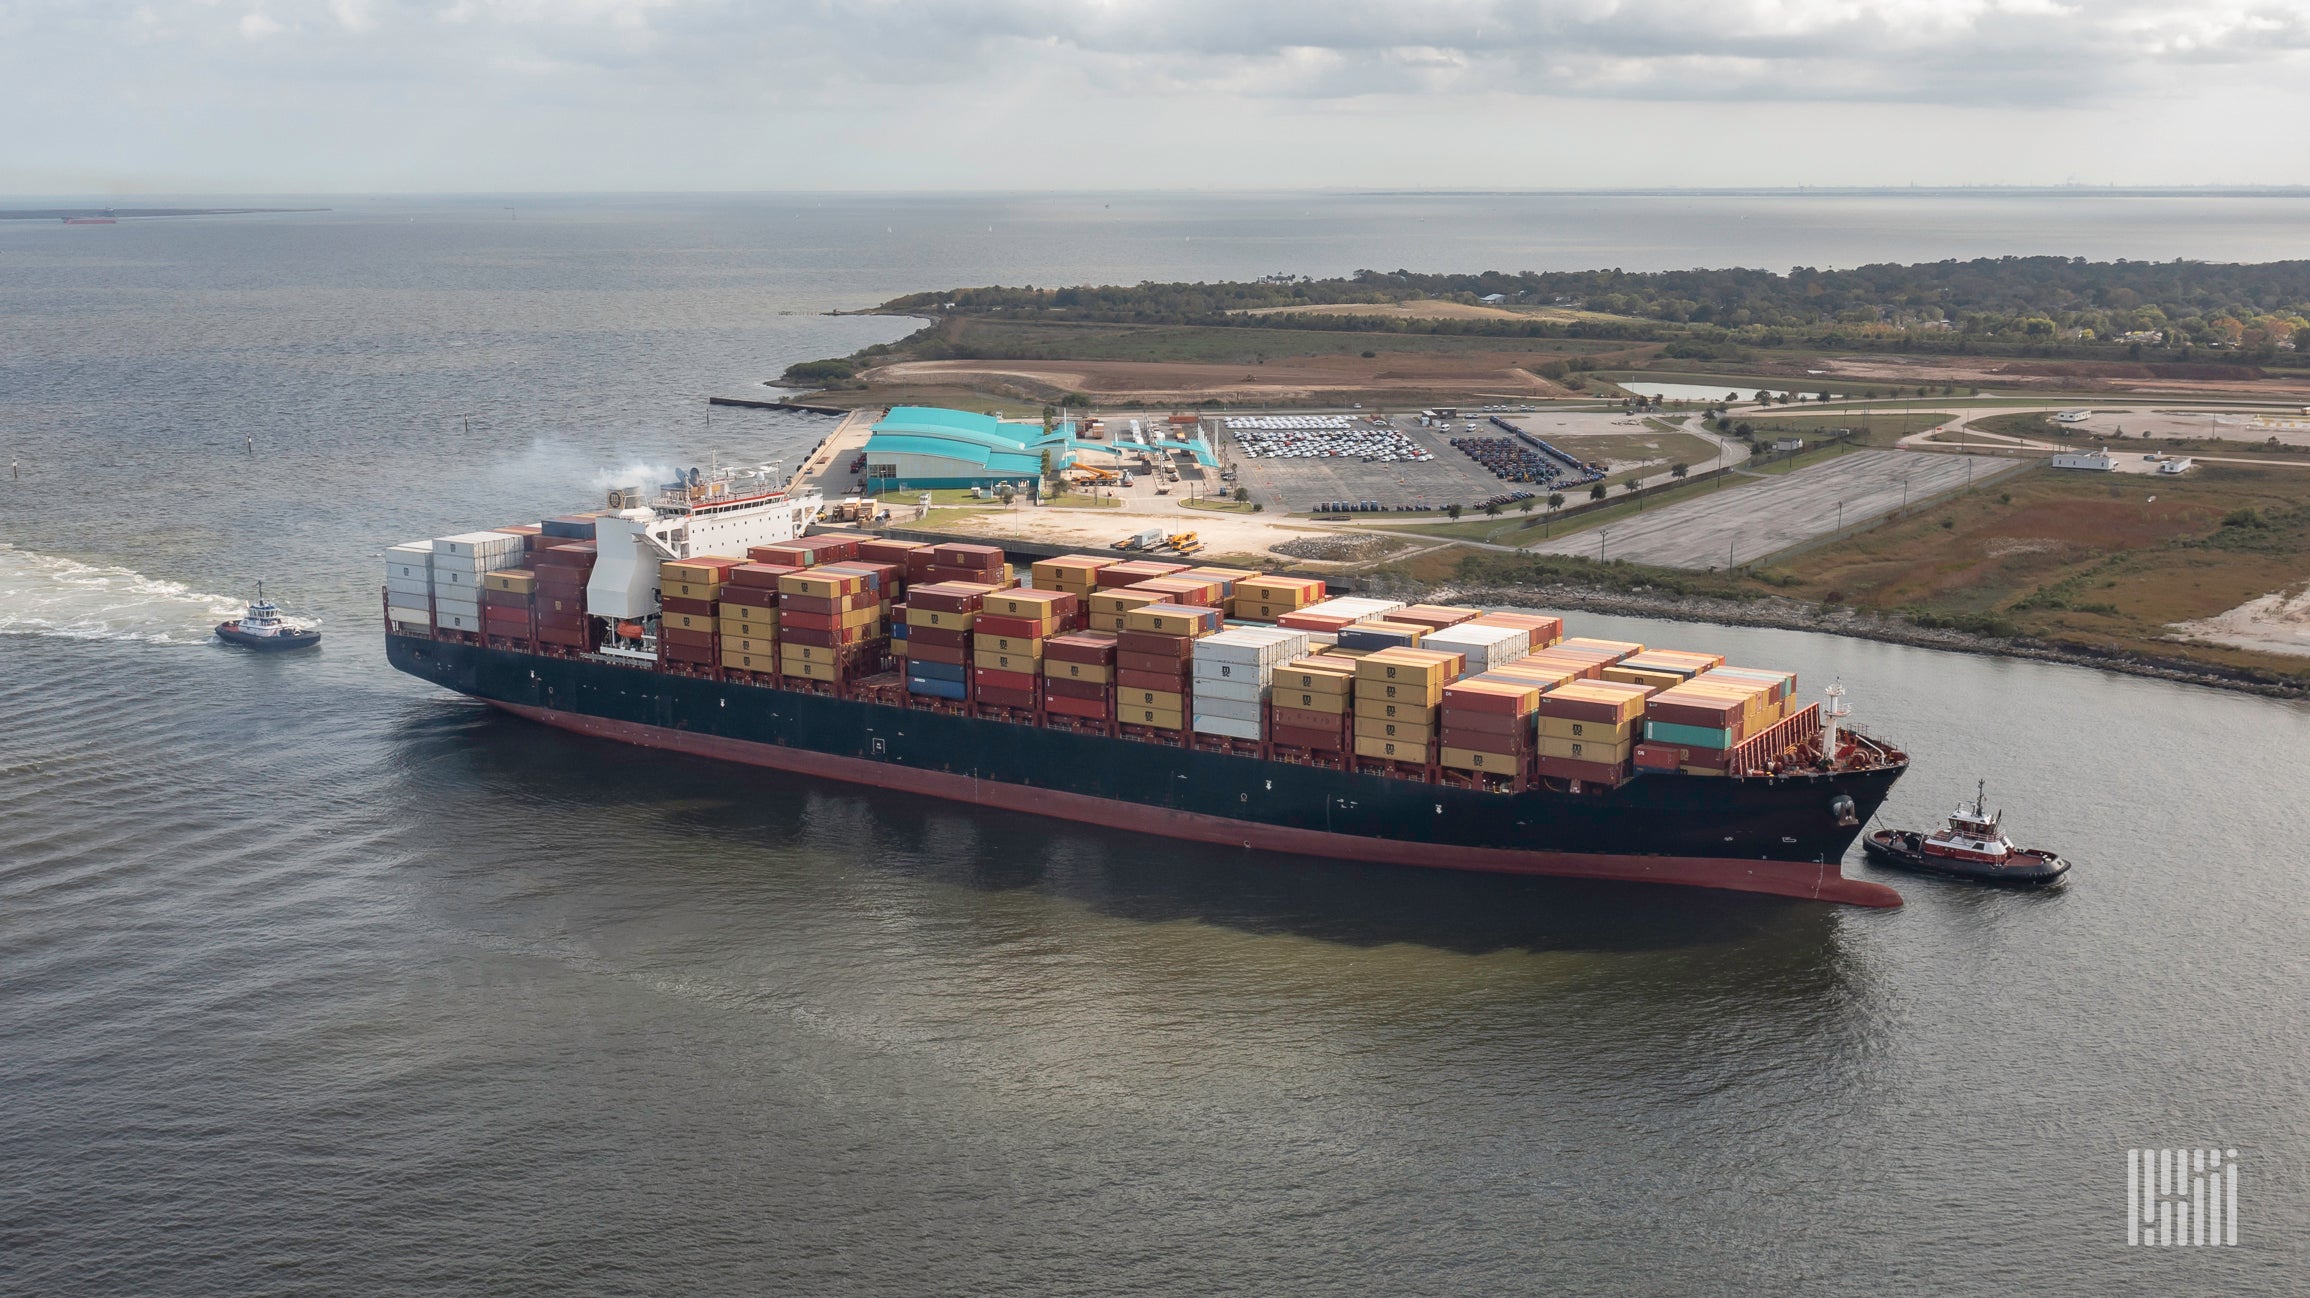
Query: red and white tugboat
[263,628]
[1971,847]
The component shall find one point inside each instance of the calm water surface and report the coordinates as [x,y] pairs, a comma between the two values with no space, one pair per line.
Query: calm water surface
[315,981]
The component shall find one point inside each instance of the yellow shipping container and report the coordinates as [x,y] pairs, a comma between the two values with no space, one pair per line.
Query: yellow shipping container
[690,572]
[1632,676]
[1421,713]
[1077,570]
[1123,601]
[1472,759]
[939,619]
[863,616]
[1018,645]
[690,590]
[1159,718]
[1166,700]
[735,660]
[1401,665]
[518,581]
[1382,728]
[808,671]
[1317,677]
[1586,750]
[1096,673]
[821,587]
[1417,692]
[1107,621]
[1313,702]
[692,621]
[1591,731]
[1163,619]
[1003,662]
[1392,750]
[806,653]
[749,628]
[749,644]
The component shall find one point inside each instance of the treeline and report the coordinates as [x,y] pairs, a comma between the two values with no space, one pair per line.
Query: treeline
[2050,305]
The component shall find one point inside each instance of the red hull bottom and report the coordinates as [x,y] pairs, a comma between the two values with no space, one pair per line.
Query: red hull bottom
[1807,880]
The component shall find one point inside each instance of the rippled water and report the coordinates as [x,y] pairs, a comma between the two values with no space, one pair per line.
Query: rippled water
[314,980]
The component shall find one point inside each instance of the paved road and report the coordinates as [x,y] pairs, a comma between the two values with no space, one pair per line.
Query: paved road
[1770,513]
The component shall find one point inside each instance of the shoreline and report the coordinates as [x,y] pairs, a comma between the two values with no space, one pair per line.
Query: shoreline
[1790,615]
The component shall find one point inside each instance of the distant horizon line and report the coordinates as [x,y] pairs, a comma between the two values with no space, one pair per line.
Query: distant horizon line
[117,196]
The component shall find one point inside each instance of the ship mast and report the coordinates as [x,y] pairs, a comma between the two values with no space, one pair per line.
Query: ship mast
[1833,712]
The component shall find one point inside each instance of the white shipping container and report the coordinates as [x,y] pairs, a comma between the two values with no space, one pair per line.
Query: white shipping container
[478,544]
[1486,646]
[1233,709]
[1354,607]
[463,608]
[1229,727]
[413,560]
[403,627]
[1242,691]
[460,622]
[413,586]
[402,613]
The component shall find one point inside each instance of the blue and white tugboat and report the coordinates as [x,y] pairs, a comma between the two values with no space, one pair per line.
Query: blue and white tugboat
[263,627]
[1972,847]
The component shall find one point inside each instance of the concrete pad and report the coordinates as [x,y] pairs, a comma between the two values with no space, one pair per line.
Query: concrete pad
[1765,514]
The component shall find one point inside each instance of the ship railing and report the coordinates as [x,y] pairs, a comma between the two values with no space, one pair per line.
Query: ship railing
[1756,754]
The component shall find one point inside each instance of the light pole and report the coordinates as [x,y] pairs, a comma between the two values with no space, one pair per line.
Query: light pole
[1840,515]
[1601,533]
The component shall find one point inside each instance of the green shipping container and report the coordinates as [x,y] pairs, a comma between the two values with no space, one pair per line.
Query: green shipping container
[1668,732]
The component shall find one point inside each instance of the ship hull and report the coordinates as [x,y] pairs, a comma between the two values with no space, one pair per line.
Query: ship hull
[1777,836]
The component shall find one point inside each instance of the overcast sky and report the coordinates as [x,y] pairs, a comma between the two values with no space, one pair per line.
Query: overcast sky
[430,95]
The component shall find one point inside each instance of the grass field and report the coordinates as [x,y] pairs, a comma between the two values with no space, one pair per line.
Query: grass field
[1218,506]
[1878,427]
[2081,559]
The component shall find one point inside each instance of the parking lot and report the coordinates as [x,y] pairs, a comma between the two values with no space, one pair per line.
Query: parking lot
[1301,485]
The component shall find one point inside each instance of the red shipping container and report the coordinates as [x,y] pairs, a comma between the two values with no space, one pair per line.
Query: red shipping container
[1483,741]
[887,550]
[504,599]
[963,554]
[575,638]
[1330,741]
[1491,723]
[760,576]
[989,678]
[551,618]
[934,635]
[695,607]
[685,653]
[1157,664]
[938,653]
[1016,627]
[790,619]
[947,597]
[1149,642]
[569,554]
[1081,647]
[738,597]
[1661,757]
[676,635]
[1099,709]
[1131,572]
[1061,687]
[1309,719]
[1565,768]
[824,639]
[498,622]
[1169,684]
[1003,698]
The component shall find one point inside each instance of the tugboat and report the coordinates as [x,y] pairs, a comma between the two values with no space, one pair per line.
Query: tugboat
[263,627]
[1970,848]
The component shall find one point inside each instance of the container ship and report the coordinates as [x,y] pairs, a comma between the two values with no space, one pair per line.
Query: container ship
[1201,703]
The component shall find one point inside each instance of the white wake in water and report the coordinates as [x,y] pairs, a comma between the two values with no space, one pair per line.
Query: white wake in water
[42,594]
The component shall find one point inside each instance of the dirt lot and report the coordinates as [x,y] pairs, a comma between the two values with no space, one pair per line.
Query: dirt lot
[1403,378]
[2009,375]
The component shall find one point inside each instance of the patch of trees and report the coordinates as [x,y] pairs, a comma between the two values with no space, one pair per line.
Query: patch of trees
[2164,311]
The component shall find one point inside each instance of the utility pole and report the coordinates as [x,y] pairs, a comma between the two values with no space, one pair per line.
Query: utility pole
[1601,533]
